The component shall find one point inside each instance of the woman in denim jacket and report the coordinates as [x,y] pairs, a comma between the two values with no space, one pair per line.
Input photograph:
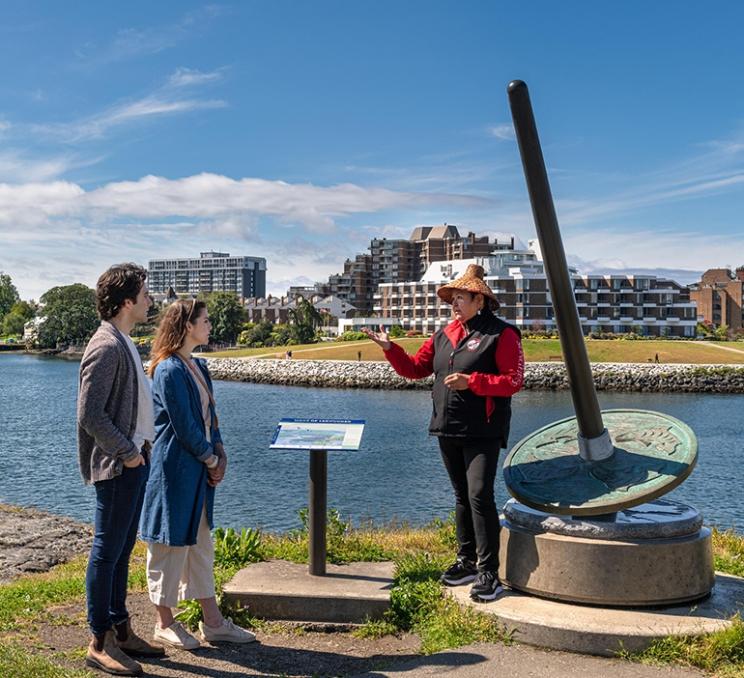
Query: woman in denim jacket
[188,462]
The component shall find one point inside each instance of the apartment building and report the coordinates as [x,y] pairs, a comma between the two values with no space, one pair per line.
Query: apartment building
[719,296]
[613,303]
[211,272]
[394,260]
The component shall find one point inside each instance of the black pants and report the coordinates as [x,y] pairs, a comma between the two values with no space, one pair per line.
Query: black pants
[472,464]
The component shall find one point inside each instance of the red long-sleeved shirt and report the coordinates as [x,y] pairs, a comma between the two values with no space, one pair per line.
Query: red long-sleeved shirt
[509,361]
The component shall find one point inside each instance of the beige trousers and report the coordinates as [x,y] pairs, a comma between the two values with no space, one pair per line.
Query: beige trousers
[176,573]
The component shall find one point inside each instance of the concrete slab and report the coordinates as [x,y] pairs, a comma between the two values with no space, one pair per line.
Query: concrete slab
[348,594]
[604,631]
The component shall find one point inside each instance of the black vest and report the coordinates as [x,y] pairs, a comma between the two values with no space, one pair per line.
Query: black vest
[463,413]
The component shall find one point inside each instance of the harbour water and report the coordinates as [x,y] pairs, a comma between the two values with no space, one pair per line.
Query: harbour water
[396,475]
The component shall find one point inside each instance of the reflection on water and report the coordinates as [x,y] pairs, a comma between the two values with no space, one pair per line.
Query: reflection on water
[397,473]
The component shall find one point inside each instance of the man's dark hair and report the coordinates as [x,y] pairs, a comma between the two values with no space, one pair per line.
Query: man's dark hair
[115,286]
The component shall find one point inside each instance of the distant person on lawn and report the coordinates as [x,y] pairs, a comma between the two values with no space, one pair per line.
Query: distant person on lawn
[478,365]
[188,462]
[115,433]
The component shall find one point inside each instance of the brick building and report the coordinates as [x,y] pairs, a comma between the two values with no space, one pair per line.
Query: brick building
[398,260]
[719,296]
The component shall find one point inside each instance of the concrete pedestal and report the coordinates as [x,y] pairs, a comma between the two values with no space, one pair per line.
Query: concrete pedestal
[546,557]
[346,594]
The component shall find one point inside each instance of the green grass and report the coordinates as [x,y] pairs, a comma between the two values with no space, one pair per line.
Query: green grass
[535,350]
[18,662]
[728,552]
[721,652]
[418,603]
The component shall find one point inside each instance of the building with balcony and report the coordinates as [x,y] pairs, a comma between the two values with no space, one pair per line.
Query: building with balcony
[719,296]
[211,272]
[618,303]
[399,260]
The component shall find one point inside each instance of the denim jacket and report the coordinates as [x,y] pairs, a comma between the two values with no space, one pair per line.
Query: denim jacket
[177,488]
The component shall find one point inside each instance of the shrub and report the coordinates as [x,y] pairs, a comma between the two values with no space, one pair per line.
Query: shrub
[351,335]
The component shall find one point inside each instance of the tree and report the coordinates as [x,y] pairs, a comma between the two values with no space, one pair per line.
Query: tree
[722,332]
[18,316]
[227,316]
[8,294]
[256,334]
[69,314]
[304,320]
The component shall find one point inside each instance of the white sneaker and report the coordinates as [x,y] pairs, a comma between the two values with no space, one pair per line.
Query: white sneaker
[228,632]
[176,636]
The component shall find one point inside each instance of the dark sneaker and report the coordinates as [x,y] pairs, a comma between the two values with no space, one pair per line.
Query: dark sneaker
[462,572]
[486,587]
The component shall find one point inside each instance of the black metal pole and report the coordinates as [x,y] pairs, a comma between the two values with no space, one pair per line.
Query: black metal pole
[317,511]
[584,395]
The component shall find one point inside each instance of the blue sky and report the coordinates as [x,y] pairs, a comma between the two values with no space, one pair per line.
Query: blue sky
[297,131]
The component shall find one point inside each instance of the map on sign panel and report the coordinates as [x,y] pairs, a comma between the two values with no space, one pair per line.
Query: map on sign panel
[318,434]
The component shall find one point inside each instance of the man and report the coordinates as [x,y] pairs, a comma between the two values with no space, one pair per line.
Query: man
[115,432]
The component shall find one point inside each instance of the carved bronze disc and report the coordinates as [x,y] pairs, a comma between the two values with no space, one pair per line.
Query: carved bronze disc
[653,453]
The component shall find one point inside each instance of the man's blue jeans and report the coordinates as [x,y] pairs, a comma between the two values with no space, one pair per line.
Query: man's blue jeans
[118,507]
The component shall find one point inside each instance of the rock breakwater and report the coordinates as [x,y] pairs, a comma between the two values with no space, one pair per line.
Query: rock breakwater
[547,376]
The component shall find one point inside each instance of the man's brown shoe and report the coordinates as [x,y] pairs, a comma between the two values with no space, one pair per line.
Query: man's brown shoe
[132,644]
[105,656]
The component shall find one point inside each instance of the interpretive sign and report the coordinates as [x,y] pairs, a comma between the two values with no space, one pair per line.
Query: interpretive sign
[318,434]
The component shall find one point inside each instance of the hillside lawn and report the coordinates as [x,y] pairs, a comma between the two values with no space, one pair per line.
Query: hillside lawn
[536,350]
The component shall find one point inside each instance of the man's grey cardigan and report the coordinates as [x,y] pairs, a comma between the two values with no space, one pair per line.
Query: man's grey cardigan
[107,405]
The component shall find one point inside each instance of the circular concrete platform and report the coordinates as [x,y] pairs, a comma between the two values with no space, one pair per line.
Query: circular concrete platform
[660,557]
[606,631]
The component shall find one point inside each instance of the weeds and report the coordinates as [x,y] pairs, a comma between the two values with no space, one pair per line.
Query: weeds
[728,552]
[721,651]
[236,550]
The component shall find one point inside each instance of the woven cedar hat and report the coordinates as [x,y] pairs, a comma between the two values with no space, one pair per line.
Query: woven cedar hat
[470,281]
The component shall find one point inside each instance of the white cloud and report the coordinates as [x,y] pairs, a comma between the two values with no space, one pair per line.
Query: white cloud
[503,132]
[95,127]
[653,249]
[209,197]
[187,77]
[18,168]
[133,43]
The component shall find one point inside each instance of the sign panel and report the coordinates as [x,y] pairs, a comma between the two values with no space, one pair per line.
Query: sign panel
[318,434]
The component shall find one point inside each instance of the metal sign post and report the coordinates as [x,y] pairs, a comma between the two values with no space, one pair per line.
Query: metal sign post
[318,436]
[317,512]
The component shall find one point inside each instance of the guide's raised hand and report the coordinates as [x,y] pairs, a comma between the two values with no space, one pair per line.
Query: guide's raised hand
[380,338]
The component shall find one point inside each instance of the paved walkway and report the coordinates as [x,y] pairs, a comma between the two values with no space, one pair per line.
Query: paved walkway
[521,661]
[713,344]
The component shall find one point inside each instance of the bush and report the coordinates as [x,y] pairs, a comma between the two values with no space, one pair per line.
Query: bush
[350,335]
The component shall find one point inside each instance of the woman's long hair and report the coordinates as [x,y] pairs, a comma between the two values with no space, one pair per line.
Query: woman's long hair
[172,330]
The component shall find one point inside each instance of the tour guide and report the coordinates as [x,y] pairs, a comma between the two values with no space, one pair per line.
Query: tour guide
[478,365]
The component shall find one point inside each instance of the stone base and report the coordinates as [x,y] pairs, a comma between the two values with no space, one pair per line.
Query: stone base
[606,631]
[624,573]
[279,590]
